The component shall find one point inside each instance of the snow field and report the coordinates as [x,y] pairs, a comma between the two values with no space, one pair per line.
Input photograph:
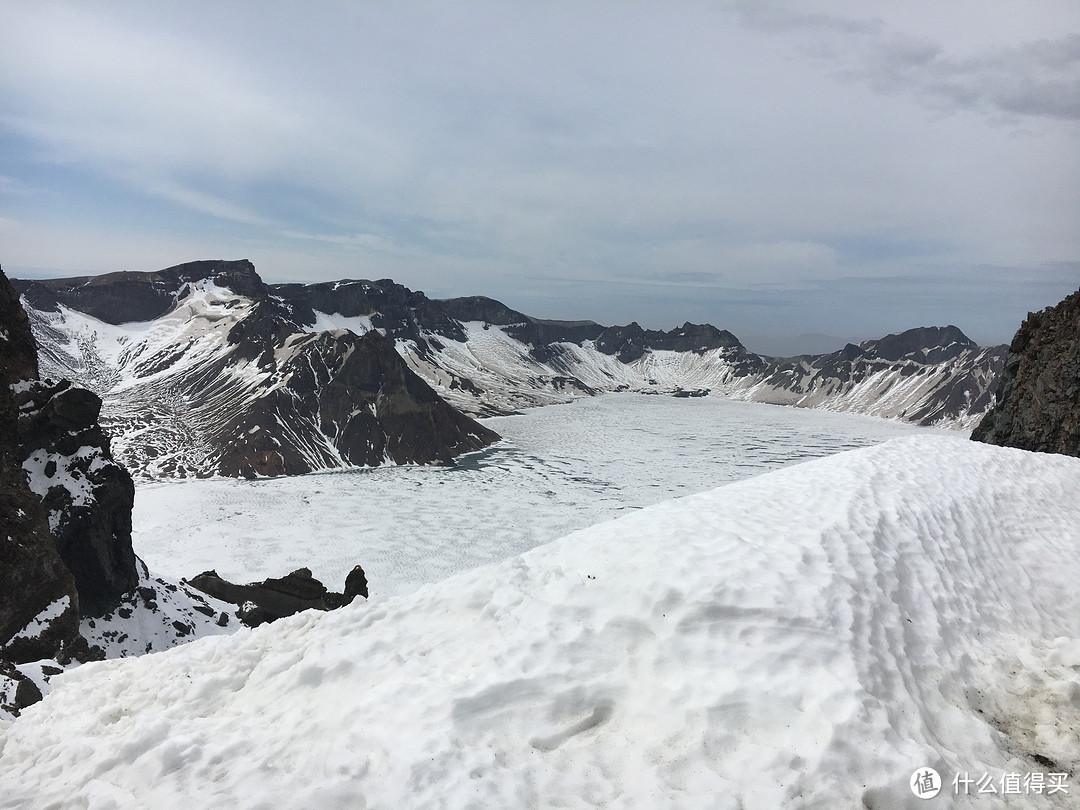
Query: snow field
[806,638]
[558,469]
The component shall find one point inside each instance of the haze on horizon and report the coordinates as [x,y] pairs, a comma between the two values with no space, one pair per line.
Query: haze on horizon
[829,167]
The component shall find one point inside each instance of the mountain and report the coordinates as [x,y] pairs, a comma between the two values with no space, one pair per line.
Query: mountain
[927,376]
[206,369]
[71,588]
[488,359]
[808,638]
[1037,406]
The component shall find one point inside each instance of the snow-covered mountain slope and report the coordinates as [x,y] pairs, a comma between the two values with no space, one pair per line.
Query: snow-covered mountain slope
[221,381]
[200,363]
[944,382]
[810,638]
[487,359]
[156,615]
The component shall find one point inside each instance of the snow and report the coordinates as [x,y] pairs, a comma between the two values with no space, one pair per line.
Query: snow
[558,469]
[112,358]
[806,638]
[157,615]
[43,619]
[331,322]
[508,377]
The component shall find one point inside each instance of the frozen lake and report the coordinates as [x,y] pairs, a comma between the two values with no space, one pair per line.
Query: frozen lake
[558,469]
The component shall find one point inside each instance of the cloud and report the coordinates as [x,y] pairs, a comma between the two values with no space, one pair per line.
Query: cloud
[1035,79]
[515,149]
[1005,82]
[774,17]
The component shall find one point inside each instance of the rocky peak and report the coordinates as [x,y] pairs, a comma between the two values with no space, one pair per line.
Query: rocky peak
[1037,404]
[124,297]
[18,350]
[627,343]
[400,312]
[924,344]
[481,308]
[630,342]
[694,337]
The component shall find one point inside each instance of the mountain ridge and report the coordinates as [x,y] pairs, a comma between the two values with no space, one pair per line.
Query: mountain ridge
[481,356]
[220,379]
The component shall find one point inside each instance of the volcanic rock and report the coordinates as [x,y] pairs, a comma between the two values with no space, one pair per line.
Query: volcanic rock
[241,385]
[275,598]
[39,604]
[1037,405]
[355,585]
[86,494]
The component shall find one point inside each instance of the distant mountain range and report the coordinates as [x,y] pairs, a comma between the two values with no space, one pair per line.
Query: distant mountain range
[206,369]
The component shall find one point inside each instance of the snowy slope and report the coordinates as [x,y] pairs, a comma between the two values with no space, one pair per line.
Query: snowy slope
[807,638]
[227,373]
[223,382]
[952,391]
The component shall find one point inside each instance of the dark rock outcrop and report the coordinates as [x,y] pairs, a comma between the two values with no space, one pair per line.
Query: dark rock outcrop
[401,313]
[355,584]
[925,345]
[1037,405]
[367,404]
[276,598]
[537,332]
[628,343]
[33,579]
[86,494]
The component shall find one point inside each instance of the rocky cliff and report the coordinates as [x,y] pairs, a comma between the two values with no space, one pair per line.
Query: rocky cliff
[39,604]
[1037,405]
[486,358]
[87,496]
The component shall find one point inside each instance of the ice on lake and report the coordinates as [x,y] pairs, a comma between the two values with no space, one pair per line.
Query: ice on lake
[558,469]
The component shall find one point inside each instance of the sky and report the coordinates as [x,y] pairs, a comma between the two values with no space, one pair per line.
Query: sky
[801,174]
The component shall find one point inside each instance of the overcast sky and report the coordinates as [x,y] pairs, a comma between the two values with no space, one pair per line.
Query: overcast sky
[777,169]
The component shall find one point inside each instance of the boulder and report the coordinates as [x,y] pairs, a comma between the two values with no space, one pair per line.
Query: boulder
[355,584]
[276,598]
